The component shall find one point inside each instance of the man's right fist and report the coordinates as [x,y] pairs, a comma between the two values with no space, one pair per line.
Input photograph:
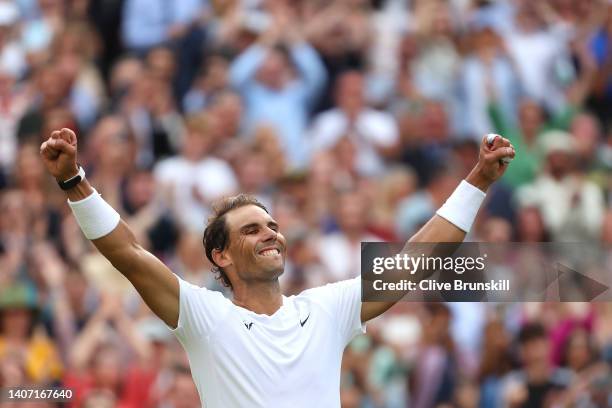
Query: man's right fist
[59,154]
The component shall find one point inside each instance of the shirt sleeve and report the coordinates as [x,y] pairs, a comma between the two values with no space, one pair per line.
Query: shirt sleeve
[200,310]
[342,300]
[311,68]
[245,66]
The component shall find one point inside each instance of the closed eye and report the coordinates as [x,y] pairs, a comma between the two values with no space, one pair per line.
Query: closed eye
[254,228]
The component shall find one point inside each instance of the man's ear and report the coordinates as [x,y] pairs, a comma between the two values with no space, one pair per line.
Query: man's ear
[221,258]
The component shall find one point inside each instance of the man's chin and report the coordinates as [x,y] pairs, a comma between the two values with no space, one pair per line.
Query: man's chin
[277,270]
[272,267]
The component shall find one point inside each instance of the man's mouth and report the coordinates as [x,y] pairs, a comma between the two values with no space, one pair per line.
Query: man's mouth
[269,252]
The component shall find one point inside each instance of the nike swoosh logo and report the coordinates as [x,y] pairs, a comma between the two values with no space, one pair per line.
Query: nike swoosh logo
[248,325]
[302,323]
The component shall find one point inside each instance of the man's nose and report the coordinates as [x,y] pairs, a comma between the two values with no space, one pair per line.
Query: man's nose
[270,234]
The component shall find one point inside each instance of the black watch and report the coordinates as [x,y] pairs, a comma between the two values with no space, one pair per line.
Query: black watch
[72,181]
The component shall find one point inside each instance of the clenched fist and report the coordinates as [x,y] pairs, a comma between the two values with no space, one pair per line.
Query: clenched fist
[59,154]
[493,161]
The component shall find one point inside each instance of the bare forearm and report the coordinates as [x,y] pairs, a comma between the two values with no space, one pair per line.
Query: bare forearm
[437,229]
[80,191]
[118,246]
[479,181]
[115,245]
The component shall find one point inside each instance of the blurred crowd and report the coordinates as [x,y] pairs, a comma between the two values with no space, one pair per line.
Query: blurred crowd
[352,120]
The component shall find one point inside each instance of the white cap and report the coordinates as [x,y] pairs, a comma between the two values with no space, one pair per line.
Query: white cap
[556,141]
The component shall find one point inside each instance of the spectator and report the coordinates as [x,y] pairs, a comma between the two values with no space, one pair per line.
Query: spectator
[254,174]
[415,210]
[600,47]
[20,335]
[111,168]
[74,53]
[194,180]
[15,103]
[435,374]
[487,74]
[46,20]
[51,91]
[572,207]
[531,119]
[426,144]
[339,250]
[341,33]
[182,393]
[97,360]
[538,51]
[151,221]
[538,383]
[496,362]
[437,63]
[12,55]
[211,80]
[586,133]
[148,24]
[530,225]
[373,133]
[578,351]
[279,84]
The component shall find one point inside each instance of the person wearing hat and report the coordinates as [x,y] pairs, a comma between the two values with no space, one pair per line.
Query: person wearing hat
[572,206]
[19,336]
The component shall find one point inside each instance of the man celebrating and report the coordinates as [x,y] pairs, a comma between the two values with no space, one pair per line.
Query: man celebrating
[260,349]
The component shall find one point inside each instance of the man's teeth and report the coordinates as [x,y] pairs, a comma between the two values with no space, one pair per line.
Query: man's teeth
[270,252]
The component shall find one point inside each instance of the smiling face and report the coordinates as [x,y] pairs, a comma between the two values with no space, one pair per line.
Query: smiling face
[256,250]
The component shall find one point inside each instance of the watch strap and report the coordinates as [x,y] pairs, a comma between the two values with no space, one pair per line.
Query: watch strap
[72,181]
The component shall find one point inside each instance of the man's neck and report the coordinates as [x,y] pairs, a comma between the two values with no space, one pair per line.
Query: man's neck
[261,298]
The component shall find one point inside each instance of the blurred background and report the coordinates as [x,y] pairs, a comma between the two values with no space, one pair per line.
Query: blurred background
[352,120]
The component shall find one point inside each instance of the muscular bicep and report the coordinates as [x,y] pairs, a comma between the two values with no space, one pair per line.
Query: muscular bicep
[157,286]
[153,280]
[370,310]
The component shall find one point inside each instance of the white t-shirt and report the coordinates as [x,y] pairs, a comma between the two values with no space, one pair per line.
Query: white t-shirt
[292,358]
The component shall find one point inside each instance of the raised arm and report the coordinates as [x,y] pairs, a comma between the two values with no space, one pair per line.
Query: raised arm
[152,279]
[245,66]
[311,68]
[442,226]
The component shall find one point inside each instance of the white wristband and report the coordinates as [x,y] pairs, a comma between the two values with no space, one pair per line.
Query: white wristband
[462,206]
[94,215]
